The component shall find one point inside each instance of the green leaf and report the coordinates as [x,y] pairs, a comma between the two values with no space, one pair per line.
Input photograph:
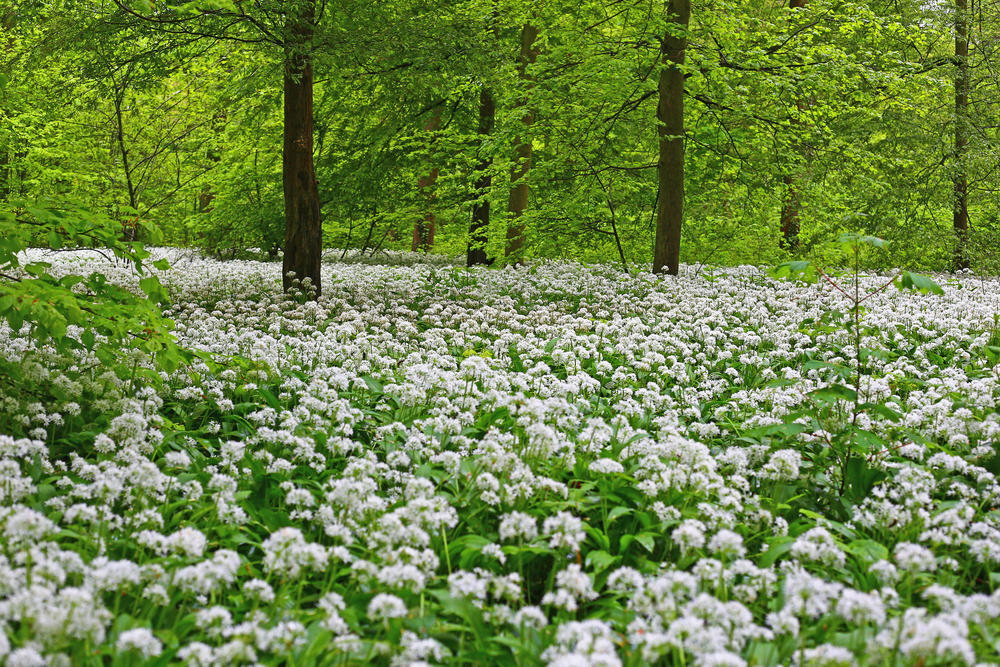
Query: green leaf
[778,548]
[868,551]
[867,440]
[788,430]
[853,240]
[647,540]
[795,270]
[918,282]
[617,512]
[833,393]
[880,410]
[600,560]
[374,385]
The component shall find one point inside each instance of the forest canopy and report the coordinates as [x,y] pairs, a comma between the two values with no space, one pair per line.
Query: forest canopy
[506,130]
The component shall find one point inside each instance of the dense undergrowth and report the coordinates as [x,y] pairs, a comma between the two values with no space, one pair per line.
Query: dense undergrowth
[559,464]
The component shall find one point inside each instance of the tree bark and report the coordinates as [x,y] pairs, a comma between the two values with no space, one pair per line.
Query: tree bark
[670,125]
[791,207]
[481,208]
[517,202]
[960,180]
[790,214]
[423,229]
[303,224]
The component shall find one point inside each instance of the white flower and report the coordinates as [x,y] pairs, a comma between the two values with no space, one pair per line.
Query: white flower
[259,589]
[884,571]
[25,657]
[727,544]
[824,655]
[817,545]
[140,640]
[605,467]
[690,534]
[783,465]
[912,557]
[518,526]
[564,531]
[286,552]
[385,606]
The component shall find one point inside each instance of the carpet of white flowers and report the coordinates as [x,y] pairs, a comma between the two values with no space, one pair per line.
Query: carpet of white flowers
[559,464]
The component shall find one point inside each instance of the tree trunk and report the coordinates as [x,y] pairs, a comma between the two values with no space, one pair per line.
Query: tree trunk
[303,224]
[423,229]
[120,89]
[481,208]
[518,200]
[960,181]
[790,214]
[792,204]
[6,149]
[670,120]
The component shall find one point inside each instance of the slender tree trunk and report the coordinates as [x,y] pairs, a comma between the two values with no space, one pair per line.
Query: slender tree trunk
[120,89]
[423,229]
[790,214]
[670,166]
[960,181]
[481,208]
[792,204]
[303,224]
[517,203]
[6,168]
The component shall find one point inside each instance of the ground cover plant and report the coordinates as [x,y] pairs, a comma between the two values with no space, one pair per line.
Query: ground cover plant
[553,464]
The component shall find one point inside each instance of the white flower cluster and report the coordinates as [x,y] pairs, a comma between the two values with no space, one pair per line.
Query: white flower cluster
[539,446]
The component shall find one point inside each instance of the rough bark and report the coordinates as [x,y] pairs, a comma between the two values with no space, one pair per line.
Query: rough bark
[423,229]
[517,202]
[303,224]
[791,207]
[960,180]
[481,208]
[670,165]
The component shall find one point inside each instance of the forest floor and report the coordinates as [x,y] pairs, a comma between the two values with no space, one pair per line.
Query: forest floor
[558,464]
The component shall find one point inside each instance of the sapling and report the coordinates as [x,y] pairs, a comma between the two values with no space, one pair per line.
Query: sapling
[851,440]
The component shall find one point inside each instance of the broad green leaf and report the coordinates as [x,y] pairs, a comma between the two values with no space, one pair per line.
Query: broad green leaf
[918,282]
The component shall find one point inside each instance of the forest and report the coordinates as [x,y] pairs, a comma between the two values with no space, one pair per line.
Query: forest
[506,131]
[500,332]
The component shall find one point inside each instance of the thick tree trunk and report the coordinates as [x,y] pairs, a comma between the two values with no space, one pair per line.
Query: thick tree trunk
[670,166]
[792,204]
[303,224]
[517,203]
[423,229]
[481,208]
[960,180]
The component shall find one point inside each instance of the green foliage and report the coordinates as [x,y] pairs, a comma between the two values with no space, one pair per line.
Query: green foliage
[833,108]
[836,406]
[72,311]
